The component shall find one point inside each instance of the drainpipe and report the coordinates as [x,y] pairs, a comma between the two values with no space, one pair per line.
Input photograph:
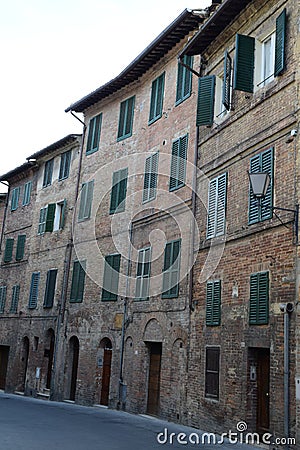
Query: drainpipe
[67,266]
[5,213]
[287,309]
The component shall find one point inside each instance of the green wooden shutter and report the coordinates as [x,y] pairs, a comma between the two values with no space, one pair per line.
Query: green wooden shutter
[212,208]
[8,250]
[206,100]
[279,63]
[178,163]
[94,134]
[184,79]
[221,204]
[86,198]
[259,299]
[15,298]
[15,194]
[63,214]
[78,279]
[27,193]
[213,303]
[3,290]
[126,118]
[65,162]
[226,81]
[20,247]
[118,191]
[34,288]
[50,288]
[263,162]
[48,173]
[50,217]
[150,177]
[157,95]
[170,288]
[244,63]
[111,277]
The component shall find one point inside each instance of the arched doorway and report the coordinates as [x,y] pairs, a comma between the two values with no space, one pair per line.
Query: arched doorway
[49,353]
[106,352]
[24,362]
[73,362]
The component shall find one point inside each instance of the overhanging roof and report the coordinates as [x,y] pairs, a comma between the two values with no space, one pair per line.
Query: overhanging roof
[214,25]
[186,22]
[69,139]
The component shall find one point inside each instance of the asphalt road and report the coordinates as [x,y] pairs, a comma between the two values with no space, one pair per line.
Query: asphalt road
[31,424]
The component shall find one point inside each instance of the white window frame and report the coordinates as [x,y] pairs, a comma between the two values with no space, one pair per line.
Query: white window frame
[143,279]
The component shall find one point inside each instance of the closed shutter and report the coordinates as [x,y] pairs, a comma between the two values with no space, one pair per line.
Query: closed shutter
[9,245]
[50,288]
[217,206]
[78,279]
[94,134]
[259,299]
[15,298]
[50,217]
[34,289]
[150,177]
[157,95]
[279,63]
[187,77]
[212,372]
[206,100]
[63,214]
[126,118]
[244,63]
[263,162]
[227,81]
[118,192]
[178,163]
[3,290]
[65,162]
[20,247]
[86,198]
[171,269]
[111,278]
[213,303]
[15,198]
[27,193]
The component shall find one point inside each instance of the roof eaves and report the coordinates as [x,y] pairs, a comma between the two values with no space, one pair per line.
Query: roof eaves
[55,146]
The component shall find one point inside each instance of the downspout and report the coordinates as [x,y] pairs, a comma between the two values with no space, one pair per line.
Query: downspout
[5,213]
[67,266]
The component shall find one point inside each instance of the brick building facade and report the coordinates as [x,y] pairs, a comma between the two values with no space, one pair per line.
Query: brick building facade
[163,278]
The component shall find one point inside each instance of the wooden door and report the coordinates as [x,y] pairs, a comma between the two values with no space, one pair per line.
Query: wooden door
[4,351]
[263,390]
[75,351]
[106,376]
[50,362]
[154,379]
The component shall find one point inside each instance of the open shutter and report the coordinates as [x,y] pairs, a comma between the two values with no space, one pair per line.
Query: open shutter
[20,247]
[244,63]
[174,165]
[267,202]
[8,250]
[253,203]
[27,193]
[279,63]
[206,100]
[216,316]
[50,217]
[227,81]
[209,303]
[63,214]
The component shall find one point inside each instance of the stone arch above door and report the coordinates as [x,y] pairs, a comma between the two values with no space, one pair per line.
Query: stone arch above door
[153,331]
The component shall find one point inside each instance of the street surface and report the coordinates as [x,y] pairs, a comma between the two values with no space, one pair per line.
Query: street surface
[31,424]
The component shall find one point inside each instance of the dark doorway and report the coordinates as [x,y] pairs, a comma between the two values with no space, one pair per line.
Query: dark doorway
[263,389]
[4,351]
[74,353]
[24,362]
[106,371]
[50,356]
[155,349]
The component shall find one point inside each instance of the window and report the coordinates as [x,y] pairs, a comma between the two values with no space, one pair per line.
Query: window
[212,372]
[157,97]
[259,299]
[272,54]
[178,163]
[65,163]
[206,100]
[143,274]
[150,178]
[171,269]
[78,279]
[2,298]
[50,288]
[20,247]
[213,303]
[118,191]
[184,79]
[263,162]
[94,134]
[111,277]
[27,193]
[15,194]
[216,206]
[9,245]
[86,198]
[59,216]
[15,298]
[126,118]
[42,220]
[48,172]
[34,289]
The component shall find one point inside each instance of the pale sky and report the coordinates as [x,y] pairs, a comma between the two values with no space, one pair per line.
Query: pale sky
[54,52]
